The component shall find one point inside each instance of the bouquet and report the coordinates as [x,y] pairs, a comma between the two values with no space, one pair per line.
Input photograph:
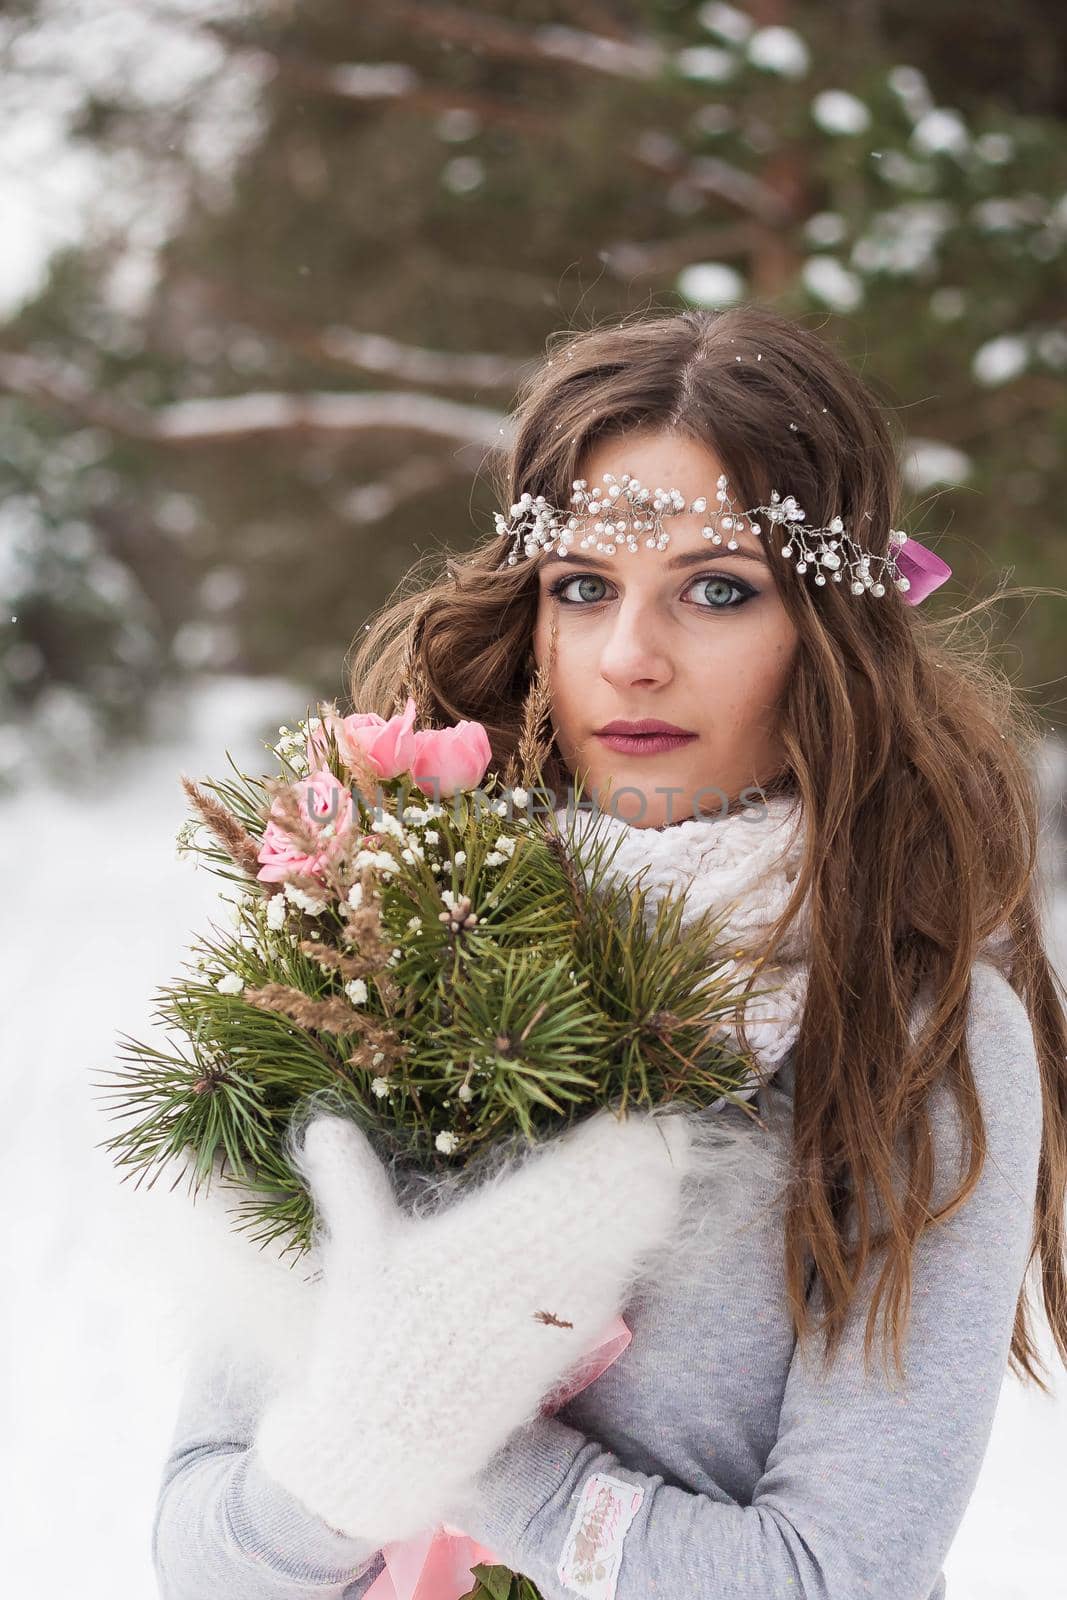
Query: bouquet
[418,945]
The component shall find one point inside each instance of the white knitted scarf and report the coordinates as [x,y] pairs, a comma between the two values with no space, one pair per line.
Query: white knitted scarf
[742,868]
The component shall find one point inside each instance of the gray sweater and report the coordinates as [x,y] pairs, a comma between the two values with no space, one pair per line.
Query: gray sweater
[727,1465]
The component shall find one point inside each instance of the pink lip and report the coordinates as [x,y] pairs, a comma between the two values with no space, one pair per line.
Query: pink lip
[644,744]
[645,725]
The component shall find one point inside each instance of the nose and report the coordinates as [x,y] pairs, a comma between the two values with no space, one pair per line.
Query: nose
[633,649]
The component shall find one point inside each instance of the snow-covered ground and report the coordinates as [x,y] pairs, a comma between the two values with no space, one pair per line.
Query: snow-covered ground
[97,915]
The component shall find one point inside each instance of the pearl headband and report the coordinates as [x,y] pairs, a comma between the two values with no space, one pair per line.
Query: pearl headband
[535,525]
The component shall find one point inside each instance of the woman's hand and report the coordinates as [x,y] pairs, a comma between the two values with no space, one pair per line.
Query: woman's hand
[437,1336]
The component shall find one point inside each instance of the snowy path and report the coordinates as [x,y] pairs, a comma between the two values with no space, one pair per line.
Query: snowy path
[91,1401]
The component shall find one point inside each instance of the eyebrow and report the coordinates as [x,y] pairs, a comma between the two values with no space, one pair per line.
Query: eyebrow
[690,558]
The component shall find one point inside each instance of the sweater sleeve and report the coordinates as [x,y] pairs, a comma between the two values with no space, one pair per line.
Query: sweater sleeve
[868,1479]
[222,1526]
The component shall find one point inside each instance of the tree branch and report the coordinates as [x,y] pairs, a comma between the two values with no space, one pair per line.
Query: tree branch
[355,349]
[641,59]
[185,422]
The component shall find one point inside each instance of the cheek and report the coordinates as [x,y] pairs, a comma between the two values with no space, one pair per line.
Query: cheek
[773,669]
[768,686]
[749,691]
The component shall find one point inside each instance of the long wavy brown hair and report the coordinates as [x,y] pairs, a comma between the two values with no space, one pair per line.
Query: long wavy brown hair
[911,751]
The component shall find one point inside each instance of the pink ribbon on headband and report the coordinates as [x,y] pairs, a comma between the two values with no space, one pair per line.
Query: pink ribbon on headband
[436,1565]
[924,571]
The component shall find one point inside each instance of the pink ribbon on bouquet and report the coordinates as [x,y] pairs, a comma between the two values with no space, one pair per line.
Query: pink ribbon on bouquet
[437,1564]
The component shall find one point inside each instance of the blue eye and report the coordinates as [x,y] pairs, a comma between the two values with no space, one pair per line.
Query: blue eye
[721,581]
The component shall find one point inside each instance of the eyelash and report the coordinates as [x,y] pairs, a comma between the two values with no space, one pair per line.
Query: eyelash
[746,590]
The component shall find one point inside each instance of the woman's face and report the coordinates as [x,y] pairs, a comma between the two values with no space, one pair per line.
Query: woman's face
[706,646]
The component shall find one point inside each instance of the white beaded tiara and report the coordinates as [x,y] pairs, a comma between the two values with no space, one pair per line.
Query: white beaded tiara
[625,509]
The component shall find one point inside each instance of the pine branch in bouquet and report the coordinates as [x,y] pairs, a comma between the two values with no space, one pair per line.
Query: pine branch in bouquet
[449,976]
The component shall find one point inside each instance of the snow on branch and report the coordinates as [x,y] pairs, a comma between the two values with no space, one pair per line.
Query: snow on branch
[244,416]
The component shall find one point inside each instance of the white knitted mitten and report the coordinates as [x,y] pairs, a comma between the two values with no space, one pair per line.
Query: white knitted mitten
[435,1337]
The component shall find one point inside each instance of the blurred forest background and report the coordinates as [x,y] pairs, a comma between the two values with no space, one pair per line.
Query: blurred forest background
[272,271]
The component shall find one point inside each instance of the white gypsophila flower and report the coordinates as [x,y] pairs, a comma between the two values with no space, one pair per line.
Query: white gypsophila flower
[380,1087]
[432,836]
[185,838]
[506,844]
[276,912]
[446,1142]
[386,823]
[356,990]
[520,798]
[355,895]
[460,857]
[494,858]
[380,860]
[416,815]
[377,1058]
[292,746]
[230,983]
[304,902]
[416,853]
[465,1092]
[414,924]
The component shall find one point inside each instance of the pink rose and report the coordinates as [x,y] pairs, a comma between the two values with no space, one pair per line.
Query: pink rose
[322,801]
[387,745]
[457,757]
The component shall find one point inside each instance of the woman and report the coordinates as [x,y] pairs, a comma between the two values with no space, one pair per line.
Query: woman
[910,1160]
